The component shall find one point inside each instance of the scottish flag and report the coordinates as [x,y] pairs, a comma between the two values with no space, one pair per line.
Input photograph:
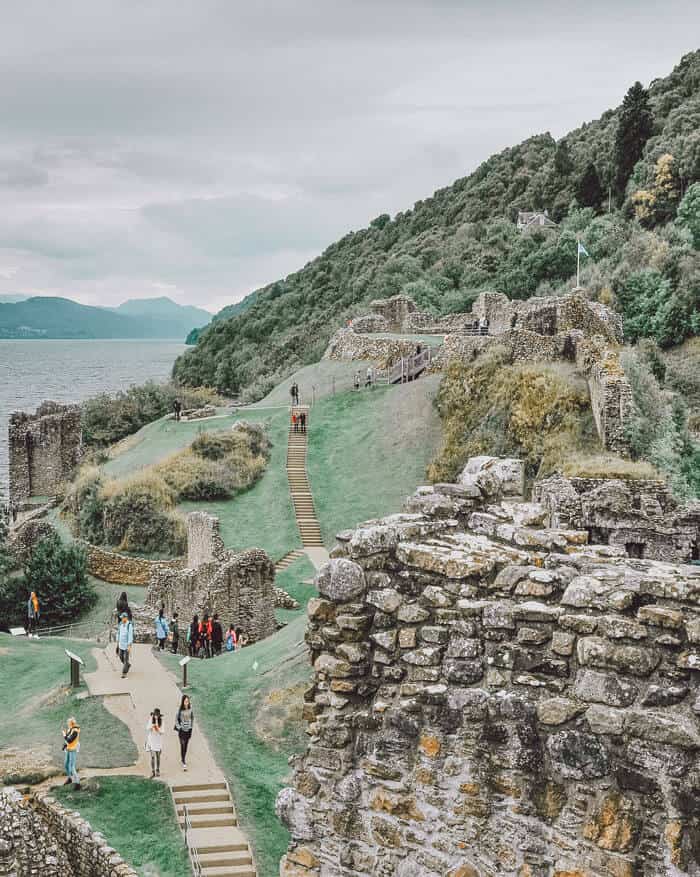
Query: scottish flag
[582,250]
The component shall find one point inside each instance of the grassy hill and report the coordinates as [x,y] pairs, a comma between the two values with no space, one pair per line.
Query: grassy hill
[463,239]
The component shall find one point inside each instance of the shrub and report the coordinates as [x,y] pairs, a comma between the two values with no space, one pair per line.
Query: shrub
[107,419]
[57,573]
[192,477]
[139,515]
[538,412]
[657,429]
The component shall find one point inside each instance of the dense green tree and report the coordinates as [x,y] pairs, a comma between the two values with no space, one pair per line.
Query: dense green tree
[563,165]
[635,126]
[689,214]
[57,573]
[589,192]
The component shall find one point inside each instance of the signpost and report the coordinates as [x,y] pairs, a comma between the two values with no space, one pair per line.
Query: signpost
[76,662]
[183,663]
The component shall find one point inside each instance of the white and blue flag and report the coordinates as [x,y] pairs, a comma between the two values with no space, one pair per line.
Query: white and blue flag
[582,250]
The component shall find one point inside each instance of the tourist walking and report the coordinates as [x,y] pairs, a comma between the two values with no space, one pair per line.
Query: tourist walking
[205,637]
[71,746]
[193,636]
[217,635]
[370,376]
[295,422]
[33,613]
[174,633]
[184,721]
[125,639]
[154,740]
[357,380]
[162,629]
[231,639]
[302,421]
[177,409]
[241,639]
[123,606]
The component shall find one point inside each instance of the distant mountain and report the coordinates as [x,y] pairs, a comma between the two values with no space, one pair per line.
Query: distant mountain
[6,298]
[53,317]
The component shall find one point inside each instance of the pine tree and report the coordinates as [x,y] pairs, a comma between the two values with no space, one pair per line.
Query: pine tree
[57,573]
[563,164]
[589,191]
[635,126]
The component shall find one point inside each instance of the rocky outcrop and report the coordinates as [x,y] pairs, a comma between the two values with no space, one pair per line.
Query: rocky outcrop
[492,696]
[639,515]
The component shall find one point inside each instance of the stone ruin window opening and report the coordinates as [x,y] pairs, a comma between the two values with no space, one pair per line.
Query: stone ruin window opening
[635,550]
[598,536]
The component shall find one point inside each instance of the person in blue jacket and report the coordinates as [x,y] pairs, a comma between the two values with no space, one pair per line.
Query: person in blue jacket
[162,629]
[125,639]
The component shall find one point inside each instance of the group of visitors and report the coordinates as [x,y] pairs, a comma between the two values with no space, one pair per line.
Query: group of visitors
[294,393]
[369,378]
[184,724]
[205,636]
[299,421]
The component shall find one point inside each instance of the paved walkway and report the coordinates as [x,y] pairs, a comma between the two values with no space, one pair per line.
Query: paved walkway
[220,844]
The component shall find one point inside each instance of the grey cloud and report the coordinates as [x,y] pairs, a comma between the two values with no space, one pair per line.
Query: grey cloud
[213,146]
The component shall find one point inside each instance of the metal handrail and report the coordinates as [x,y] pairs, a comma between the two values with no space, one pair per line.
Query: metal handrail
[68,630]
[191,850]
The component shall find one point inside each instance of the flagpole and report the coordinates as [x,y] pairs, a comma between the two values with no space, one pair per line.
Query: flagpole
[578,263]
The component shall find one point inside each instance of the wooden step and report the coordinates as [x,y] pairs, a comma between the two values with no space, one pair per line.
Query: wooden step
[222,848]
[225,860]
[230,871]
[205,798]
[198,787]
[207,809]
[212,822]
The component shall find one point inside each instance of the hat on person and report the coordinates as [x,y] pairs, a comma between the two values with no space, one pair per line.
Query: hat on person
[123,615]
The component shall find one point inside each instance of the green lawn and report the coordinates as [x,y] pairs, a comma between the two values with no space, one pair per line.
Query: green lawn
[368,450]
[37,700]
[137,818]
[249,704]
[315,381]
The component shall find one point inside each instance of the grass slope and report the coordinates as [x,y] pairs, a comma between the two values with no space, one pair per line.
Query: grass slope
[136,817]
[249,704]
[368,450]
[261,517]
[36,699]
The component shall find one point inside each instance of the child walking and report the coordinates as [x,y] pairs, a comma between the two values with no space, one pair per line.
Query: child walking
[154,740]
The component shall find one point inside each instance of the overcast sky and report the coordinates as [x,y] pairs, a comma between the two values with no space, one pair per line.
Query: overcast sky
[200,149]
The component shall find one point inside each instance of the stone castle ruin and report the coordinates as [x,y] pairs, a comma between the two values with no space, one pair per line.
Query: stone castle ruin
[44,449]
[494,696]
[238,586]
[539,329]
[38,836]
[639,515]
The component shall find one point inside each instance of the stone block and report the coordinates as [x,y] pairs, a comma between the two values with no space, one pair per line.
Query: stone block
[594,651]
[661,616]
[341,580]
[605,719]
[656,726]
[385,599]
[563,643]
[557,710]
[604,688]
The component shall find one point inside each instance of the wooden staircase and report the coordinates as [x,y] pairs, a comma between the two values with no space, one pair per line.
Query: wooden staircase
[207,817]
[299,487]
[288,559]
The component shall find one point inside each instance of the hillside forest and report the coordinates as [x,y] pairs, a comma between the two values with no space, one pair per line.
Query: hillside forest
[626,184]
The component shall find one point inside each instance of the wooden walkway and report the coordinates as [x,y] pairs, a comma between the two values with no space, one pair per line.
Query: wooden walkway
[299,486]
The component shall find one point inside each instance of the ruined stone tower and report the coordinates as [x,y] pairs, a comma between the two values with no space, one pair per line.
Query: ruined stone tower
[45,448]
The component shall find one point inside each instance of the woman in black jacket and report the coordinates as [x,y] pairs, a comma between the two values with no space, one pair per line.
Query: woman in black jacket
[193,637]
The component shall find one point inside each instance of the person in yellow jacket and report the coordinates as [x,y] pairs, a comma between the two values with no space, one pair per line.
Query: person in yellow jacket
[71,745]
